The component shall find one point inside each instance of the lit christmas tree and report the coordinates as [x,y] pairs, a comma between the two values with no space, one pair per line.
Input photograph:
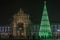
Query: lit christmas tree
[45,29]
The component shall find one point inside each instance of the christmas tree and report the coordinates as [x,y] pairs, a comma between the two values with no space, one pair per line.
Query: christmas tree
[45,29]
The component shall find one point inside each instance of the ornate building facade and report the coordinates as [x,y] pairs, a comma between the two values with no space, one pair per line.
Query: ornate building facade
[20,23]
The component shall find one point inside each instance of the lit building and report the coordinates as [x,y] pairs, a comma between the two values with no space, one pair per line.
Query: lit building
[36,28]
[56,29]
[5,31]
[20,23]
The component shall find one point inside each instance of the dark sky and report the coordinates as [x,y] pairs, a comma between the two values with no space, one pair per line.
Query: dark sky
[32,7]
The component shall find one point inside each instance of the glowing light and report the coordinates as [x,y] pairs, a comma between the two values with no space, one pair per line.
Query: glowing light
[22,33]
[45,29]
[58,30]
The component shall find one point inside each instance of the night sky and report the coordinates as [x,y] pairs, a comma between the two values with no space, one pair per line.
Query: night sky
[32,7]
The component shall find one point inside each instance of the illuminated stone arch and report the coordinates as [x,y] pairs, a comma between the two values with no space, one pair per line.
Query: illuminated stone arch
[20,17]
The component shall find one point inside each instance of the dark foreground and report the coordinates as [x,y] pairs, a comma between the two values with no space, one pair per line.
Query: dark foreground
[26,39]
[31,38]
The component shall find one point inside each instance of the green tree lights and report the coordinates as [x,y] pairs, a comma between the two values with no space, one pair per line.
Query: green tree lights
[45,29]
